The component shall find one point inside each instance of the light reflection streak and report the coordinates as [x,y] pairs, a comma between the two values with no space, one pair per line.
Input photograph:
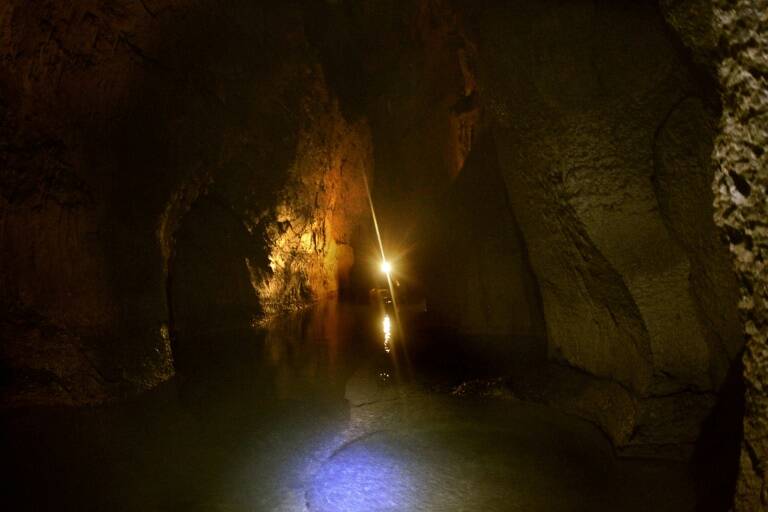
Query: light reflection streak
[389,275]
[386,325]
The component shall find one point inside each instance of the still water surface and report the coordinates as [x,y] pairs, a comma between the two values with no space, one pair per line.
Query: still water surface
[312,415]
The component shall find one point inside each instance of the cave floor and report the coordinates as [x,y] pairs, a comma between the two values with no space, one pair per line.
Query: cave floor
[314,416]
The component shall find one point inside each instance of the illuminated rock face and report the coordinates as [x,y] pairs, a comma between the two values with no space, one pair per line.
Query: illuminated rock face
[167,168]
[741,209]
[311,228]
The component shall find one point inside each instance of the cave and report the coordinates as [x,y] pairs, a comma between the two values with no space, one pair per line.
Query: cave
[379,255]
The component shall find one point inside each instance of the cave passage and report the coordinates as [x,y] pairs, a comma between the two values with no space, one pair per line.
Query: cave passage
[313,417]
[558,303]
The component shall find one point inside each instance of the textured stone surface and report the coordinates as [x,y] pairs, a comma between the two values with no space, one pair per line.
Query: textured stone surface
[481,282]
[741,204]
[603,130]
[64,76]
[166,166]
[692,20]
[176,168]
[683,184]
[313,225]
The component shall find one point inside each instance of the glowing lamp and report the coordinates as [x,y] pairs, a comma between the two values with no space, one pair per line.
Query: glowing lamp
[386,267]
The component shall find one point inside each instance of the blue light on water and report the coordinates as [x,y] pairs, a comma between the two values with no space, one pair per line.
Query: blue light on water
[366,477]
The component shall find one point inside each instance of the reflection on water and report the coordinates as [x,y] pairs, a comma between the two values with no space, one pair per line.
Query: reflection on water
[387,328]
[308,413]
[304,353]
[250,413]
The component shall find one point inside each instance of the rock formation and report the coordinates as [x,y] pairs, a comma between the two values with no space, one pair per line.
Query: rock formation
[167,167]
[170,168]
[741,209]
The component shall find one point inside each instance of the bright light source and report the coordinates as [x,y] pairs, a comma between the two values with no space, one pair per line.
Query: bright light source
[386,267]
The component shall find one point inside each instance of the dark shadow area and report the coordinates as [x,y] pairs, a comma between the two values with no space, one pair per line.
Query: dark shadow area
[299,415]
[716,459]
[210,291]
[449,356]
[239,429]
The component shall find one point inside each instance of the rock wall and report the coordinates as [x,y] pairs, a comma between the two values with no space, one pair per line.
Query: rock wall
[603,124]
[65,70]
[741,209]
[314,224]
[161,161]
[481,281]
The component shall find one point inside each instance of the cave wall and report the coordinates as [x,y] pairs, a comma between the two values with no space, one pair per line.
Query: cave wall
[603,129]
[58,287]
[480,279]
[741,210]
[161,160]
